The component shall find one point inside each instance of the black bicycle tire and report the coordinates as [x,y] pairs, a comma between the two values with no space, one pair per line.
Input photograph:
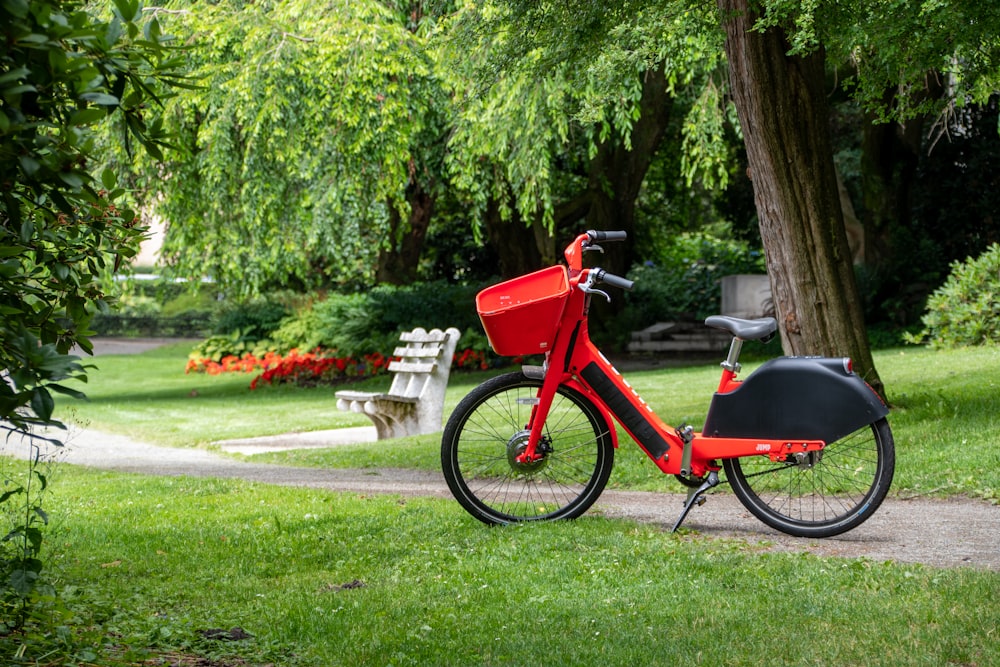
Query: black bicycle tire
[861,506]
[461,433]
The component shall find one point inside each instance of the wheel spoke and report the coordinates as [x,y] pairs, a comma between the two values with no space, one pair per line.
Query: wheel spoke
[486,434]
[825,492]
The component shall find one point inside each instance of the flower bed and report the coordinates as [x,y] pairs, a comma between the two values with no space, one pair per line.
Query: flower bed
[320,367]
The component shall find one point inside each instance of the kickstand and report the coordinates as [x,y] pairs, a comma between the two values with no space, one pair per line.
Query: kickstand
[695,497]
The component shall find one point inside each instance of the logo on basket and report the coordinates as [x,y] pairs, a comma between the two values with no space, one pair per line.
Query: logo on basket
[764,447]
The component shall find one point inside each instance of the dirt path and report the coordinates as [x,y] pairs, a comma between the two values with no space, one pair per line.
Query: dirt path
[940,533]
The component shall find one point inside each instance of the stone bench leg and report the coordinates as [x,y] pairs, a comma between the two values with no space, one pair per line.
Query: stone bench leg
[393,419]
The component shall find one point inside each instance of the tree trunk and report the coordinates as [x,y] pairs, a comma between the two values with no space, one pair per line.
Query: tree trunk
[616,173]
[521,247]
[783,113]
[398,262]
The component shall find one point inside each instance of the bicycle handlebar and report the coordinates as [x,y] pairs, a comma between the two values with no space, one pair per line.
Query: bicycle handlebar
[606,236]
[613,280]
[586,242]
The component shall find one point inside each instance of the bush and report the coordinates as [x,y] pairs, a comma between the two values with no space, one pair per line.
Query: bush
[966,309]
[255,320]
[686,283]
[358,324]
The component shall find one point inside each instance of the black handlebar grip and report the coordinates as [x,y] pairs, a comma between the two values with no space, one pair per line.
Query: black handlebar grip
[607,236]
[615,281]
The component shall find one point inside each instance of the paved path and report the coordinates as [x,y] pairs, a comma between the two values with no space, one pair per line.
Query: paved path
[941,533]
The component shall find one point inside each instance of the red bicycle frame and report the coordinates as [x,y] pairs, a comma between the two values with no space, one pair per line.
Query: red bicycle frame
[574,360]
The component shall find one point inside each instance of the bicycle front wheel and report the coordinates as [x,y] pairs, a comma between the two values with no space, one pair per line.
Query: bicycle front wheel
[488,430]
[819,494]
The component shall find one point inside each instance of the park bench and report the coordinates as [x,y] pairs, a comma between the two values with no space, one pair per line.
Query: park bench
[415,401]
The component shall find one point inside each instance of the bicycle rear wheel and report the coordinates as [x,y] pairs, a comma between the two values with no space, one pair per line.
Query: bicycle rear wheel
[820,494]
[487,431]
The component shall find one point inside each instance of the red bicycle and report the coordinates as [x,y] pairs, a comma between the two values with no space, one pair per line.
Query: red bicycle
[804,441]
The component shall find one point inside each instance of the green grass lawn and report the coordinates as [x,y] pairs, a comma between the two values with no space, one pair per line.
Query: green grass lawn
[319,578]
[143,566]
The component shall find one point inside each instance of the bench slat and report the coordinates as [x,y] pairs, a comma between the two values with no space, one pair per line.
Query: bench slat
[396,399]
[355,395]
[411,367]
[416,351]
[413,337]
[363,396]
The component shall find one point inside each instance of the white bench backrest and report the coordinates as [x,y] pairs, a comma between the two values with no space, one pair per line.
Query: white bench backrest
[424,361]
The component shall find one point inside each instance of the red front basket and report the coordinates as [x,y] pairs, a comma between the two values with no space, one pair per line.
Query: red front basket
[521,315]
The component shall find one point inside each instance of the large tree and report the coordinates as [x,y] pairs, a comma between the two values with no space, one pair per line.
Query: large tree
[781,100]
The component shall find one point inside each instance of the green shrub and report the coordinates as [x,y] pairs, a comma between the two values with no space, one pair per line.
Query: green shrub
[137,305]
[235,343]
[357,324]
[966,309]
[686,282]
[254,320]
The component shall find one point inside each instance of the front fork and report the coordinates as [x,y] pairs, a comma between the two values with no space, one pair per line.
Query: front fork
[539,413]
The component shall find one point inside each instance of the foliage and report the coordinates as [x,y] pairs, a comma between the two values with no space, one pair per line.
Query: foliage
[309,126]
[22,521]
[908,58]
[215,348]
[61,73]
[686,281]
[321,367]
[315,368]
[356,324]
[254,320]
[308,369]
[542,87]
[966,309]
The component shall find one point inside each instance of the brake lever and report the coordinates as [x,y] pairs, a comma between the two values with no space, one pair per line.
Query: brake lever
[589,247]
[588,286]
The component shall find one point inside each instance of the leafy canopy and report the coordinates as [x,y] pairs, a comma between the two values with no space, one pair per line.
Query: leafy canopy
[308,126]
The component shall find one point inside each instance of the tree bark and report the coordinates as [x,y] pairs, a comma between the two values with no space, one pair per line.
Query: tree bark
[398,262]
[782,109]
[522,247]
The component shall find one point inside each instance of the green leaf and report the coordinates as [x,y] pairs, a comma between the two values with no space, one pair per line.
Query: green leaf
[126,9]
[103,99]
[42,403]
[67,391]
[33,38]
[14,75]
[27,231]
[151,31]
[88,116]
[109,179]
[18,8]
[23,581]
[9,494]
[29,164]
[71,178]
[39,512]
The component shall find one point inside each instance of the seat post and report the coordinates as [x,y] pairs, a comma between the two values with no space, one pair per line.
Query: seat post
[732,362]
